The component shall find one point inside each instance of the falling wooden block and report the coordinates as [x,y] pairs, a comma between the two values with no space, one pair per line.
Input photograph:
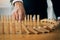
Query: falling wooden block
[43,30]
[51,27]
[8,24]
[32,30]
[25,23]
[30,26]
[25,28]
[49,23]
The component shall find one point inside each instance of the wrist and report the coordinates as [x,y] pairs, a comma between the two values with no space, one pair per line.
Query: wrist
[18,4]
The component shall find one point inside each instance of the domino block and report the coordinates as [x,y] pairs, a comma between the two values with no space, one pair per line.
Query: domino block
[27,20]
[1,24]
[1,28]
[25,23]
[30,27]
[38,21]
[6,25]
[41,29]
[12,25]
[19,27]
[34,21]
[50,24]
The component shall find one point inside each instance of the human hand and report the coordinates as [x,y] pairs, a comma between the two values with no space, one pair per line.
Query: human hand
[18,11]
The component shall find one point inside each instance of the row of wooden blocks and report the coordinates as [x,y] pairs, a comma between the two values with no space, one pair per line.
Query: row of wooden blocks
[8,25]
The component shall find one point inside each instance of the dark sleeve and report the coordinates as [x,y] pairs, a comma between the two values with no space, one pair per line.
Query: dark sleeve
[11,1]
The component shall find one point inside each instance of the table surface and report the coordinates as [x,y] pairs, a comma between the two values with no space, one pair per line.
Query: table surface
[55,35]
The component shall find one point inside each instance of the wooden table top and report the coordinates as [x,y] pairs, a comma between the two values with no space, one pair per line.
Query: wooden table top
[55,35]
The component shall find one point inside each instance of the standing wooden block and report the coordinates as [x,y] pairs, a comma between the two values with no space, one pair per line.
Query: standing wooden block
[1,24]
[12,28]
[34,21]
[28,18]
[1,28]
[12,25]
[6,27]
[31,21]
[38,21]
[2,18]
[25,20]
[18,27]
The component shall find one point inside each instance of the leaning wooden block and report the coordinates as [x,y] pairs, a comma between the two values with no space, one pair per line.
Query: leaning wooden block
[25,28]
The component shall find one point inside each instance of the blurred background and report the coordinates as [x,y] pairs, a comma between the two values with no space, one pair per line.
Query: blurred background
[5,7]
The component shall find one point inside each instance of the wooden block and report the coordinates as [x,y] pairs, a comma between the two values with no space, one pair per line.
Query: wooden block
[34,18]
[1,28]
[18,27]
[2,24]
[25,28]
[28,18]
[43,29]
[31,25]
[12,28]
[31,21]
[25,24]
[38,21]
[50,23]
[44,22]
[51,27]
[9,19]
[6,28]
[13,19]
[25,20]
[32,30]
[2,18]
[40,31]
[38,18]
[34,21]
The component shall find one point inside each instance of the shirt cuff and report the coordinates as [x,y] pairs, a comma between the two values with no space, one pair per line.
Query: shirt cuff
[16,1]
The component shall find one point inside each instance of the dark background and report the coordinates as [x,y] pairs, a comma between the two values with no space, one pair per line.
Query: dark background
[40,7]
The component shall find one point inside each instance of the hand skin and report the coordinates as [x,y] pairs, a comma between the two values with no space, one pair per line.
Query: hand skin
[18,12]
